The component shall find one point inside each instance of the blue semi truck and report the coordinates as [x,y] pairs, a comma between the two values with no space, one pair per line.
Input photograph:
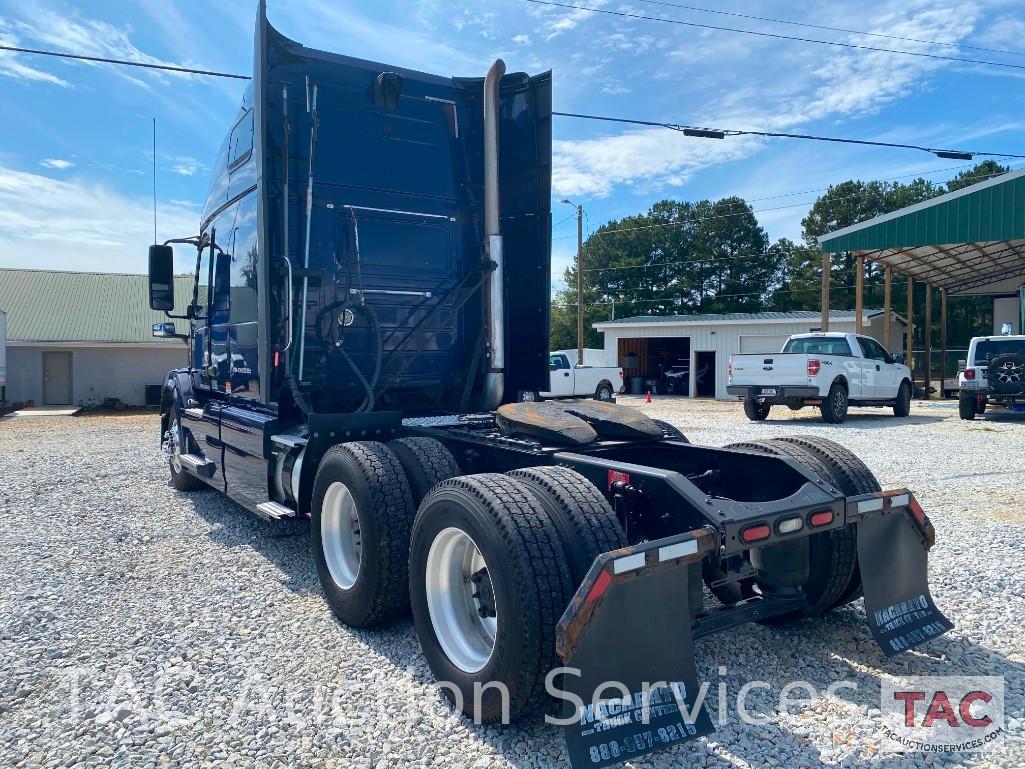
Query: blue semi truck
[370,303]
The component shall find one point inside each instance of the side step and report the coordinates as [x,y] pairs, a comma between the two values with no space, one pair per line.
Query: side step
[196,465]
[272,511]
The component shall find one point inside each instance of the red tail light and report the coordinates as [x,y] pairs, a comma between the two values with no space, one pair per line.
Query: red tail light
[755,533]
[814,365]
[729,368]
[969,373]
[821,518]
[917,511]
[621,373]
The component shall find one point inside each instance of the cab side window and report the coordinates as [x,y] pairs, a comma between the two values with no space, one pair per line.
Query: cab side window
[558,362]
[872,349]
[240,143]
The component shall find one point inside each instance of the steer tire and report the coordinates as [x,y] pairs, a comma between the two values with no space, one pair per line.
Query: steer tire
[851,476]
[181,479]
[426,462]
[832,554]
[673,432]
[902,406]
[529,588]
[834,407]
[755,410]
[371,475]
[585,521]
[966,408]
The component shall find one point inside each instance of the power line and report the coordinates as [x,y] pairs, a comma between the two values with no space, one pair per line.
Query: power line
[124,62]
[808,25]
[722,133]
[776,35]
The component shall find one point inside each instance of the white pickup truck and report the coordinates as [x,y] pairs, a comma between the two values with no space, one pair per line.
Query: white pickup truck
[995,375]
[569,381]
[830,370]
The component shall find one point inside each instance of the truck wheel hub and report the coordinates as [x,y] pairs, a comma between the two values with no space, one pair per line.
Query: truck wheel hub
[461,600]
[340,535]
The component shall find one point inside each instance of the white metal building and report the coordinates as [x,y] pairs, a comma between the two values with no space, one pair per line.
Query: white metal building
[78,338]
[698,347]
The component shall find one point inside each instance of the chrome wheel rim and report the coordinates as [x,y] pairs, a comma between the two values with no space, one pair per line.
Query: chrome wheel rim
[460,599]
[340,535]
[176,446]
[605,394]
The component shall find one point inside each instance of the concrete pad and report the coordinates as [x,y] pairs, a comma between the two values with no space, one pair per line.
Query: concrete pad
[45,411]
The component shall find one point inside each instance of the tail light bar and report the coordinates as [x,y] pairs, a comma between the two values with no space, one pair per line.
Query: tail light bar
[814,366]
[755,533]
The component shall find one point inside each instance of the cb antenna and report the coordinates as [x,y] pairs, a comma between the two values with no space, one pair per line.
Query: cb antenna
[154,180]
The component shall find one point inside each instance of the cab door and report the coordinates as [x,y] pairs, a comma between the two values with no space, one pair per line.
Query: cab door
[561,374]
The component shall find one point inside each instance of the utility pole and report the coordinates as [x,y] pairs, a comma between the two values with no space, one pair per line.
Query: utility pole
[580,280]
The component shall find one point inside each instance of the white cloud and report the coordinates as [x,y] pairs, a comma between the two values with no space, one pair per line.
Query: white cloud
[57,163]
[12,64]
[805,83]
[184,165]
[521,39]
[55,224]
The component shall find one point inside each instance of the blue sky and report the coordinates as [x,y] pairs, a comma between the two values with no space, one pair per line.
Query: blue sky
[75,138]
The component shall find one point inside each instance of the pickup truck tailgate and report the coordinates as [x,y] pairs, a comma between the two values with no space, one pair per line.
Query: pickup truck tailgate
[779,368]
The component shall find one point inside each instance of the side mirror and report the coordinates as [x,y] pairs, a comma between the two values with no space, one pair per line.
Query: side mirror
[164,330]
[161,278]
[898,357]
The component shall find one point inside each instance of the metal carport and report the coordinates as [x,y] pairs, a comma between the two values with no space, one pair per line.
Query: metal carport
[971,240]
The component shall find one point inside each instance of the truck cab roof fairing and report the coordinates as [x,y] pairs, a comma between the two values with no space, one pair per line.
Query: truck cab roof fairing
[406,180]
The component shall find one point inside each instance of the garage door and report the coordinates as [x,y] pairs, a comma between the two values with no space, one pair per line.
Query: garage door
[762,342]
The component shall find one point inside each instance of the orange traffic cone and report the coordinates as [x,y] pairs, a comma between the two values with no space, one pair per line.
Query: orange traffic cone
[648,399]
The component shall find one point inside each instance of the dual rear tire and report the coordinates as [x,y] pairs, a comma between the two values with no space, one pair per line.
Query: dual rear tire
[487,564]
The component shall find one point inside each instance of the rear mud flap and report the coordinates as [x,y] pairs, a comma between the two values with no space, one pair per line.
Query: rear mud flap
[893,541]
[627,639]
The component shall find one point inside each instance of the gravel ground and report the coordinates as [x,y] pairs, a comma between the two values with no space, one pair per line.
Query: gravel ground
[144,627]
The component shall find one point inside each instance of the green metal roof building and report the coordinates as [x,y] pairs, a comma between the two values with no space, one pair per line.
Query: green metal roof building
[967,242]
[78,338]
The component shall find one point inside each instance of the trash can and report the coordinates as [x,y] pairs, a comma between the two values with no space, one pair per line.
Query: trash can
[637,385]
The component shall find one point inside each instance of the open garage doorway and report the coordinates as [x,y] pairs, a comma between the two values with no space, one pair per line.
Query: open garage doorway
[704,373]
[660,364]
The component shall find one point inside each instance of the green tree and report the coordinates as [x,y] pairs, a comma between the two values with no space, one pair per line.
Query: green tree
[987,169]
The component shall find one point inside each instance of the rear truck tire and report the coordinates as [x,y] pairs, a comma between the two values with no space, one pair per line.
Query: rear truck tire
[902,406]
[361,514]
[755,410]
[966,407]
[834,407]
[832,557]
[586,524]
[426,462]
[488,584]
[181,479]
[851,476]
[604,392]
[674,432]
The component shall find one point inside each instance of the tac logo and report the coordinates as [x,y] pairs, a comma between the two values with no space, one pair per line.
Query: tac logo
[943,714]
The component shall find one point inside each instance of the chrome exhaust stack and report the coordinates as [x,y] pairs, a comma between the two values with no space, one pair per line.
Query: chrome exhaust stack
[494,381]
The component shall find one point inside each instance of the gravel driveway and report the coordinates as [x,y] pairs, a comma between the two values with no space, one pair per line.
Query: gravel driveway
[144,627]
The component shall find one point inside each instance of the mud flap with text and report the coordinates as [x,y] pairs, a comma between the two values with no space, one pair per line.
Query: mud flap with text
[893,540]
[628,633]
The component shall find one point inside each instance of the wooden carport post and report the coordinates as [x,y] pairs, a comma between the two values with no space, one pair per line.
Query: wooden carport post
[927,332]
[911,330]
[859,295]
[887,307]
[943,341]
[825,291]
